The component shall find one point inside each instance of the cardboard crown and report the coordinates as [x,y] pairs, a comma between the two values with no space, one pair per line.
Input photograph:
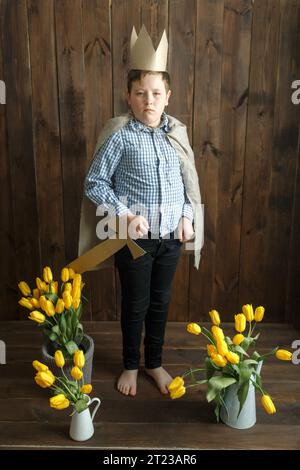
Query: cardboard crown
[143,55]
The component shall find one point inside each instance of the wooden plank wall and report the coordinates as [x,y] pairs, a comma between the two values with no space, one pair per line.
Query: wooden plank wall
[232,63]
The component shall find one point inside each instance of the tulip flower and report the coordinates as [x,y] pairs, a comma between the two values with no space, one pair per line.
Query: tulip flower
[39,366]
[59,358]
[217,333]
[36,294]
[37,316]
[76,373]
[75,303]
[193,328]
[219,360]
[238,339]
[259,314]
[232,357]
[41,285]
[240,322]
[44,379]
[71,273]
[67,298]
[47,274]
[59,307]
[68,287]
[215,317]
[65,275]
[222,347]
[43,302]
[248,312]
[87,388]
[268,404]
[211,349]
[49,308]
[59,402]
[79,359]
[283,355]
[176,383]
[54,287]
[24,288]
[26,303]
[179,392]
[34,302]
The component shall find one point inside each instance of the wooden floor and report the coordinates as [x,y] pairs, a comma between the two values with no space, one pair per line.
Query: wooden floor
[149,420]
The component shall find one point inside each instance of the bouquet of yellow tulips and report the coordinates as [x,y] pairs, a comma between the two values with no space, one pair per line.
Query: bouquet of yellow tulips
[229,362]
[66,391]
[56,308]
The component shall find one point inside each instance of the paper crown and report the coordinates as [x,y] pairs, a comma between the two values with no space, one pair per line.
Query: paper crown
[143,56]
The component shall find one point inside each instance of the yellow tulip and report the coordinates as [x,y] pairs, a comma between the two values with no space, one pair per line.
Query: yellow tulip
[34,302]
[211,349]
[59,307]
[59,358]
[79,359]
[65,276]
[24,288]
[217,332]
[67,298]
[54,287]
[26,303]
[222,347]
[43,302]
[76,303]
[59,402]
[44,379]
[232,357]
[283,355]
[39,366]
[41,285]
[76,292]
[71,273]
[68,287]
[259,314]
[87,388]
[179,392]
[219,360]
[36,293]
[240,322]
[248,312]
[238,339]
[215,317]
[47,274]
[77,280]
[268,404]
[76,373]
[49,308]
[193,328]
[176,383]
[37,316]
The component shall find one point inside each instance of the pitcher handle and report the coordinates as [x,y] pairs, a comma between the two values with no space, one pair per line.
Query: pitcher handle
[96,407]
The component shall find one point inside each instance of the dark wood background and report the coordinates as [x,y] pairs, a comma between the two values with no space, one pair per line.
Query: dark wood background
[232,63]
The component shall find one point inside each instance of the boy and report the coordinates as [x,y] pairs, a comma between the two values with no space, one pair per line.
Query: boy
[137,171]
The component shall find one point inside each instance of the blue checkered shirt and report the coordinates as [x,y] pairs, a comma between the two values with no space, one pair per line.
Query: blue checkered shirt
[137,170]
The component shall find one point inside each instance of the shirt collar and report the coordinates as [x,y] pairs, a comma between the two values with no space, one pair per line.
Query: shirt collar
[138,125]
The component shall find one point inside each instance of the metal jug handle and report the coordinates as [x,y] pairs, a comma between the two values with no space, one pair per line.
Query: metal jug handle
[96,407]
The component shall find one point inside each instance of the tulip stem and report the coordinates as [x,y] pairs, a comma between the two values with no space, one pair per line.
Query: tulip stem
[66,387]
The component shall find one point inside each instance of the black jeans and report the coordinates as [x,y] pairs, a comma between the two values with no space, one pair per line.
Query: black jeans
[146,290]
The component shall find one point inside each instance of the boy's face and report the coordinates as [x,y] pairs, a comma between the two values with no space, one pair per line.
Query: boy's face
[148,98]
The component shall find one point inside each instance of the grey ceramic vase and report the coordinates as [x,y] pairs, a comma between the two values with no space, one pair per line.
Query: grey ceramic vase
[247,417]
[87,345]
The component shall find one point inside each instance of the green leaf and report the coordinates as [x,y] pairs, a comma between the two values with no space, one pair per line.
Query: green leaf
[63,324]
[211,368]
[242,394]
[241,350]
[217,383]
[209,334]
[53,336]
[249,362]
[228,340]
[71,347]
[81,405]
[52,297]
[246,343]
[256,356]
[56,329]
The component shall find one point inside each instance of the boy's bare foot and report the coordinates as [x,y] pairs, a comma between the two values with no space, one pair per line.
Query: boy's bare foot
[127,382]
[161,377]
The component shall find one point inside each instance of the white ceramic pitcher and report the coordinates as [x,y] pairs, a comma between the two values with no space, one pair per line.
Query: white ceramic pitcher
[82,428]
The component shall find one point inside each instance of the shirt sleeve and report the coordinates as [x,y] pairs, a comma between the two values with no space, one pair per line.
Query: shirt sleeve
[98,185]
[187,209]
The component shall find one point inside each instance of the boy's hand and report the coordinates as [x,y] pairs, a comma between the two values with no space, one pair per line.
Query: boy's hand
[185,230]
[137,226]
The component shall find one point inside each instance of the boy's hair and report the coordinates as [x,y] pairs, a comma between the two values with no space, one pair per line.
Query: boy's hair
[136,75]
